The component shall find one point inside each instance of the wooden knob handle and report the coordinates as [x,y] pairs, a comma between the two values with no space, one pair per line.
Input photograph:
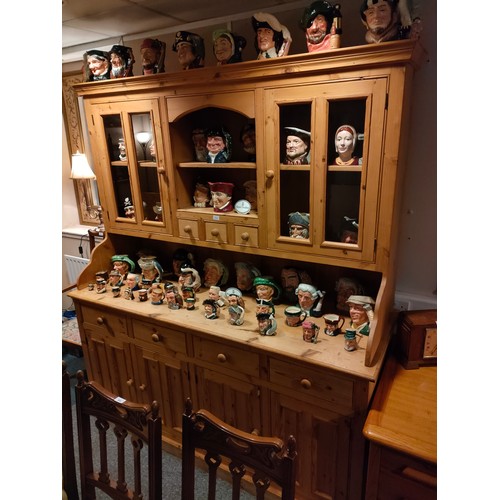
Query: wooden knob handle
[306,384]
[214,232]
[221,358]
[245,236]
[142,387]
[130,382]
[188,229]
[155,337]
[100,320]
[270,174]
[161,170]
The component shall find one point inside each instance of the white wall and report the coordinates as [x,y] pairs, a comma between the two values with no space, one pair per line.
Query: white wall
[417,265]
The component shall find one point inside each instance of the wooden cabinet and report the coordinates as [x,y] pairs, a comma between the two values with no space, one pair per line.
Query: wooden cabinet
[277,384]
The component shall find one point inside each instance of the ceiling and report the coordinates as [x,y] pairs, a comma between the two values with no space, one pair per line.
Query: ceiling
[97,24]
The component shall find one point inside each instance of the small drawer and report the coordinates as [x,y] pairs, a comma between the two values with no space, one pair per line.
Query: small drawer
[246,236]
[188,228]
[403,476]
[226,356]
[105,321]
[216,232]
[158,337]
[302,380]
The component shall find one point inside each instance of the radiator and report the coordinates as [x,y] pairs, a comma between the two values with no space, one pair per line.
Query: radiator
[74,266]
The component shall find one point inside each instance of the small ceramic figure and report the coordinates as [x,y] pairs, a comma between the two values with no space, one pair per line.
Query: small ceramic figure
[221,193]
[333,324]
[297,146]
[215,294]
[115,278]
[345,141]
[128,294]
[211,309]
[310,332]
[132,281]
[227,47]
[291,277]
[349,230]
[190,49]
[181,256]
[151,268]
[200,144]
[116,290]
[156,294]
[387,20]
[152,149]
[264,306]
[173,297]
[236,307]
[266,288]
[245,274]
[97,65]
[267,324]
[247,138]
[143,295]
[122,61]
[129,208]
[214,273]
[322,24]
[123,264]
[122,149]
[310,299]
[351,339]
[361,313]
[188,292]
[345,287]
[201,195]
[189,276]
[100,285]
[298,225]
[219,145]
[272,39]
[251,193]
[294,316]
[153,56]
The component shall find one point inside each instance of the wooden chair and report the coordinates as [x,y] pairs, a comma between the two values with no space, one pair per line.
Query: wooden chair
[141,422]
[267,458]
[68,446]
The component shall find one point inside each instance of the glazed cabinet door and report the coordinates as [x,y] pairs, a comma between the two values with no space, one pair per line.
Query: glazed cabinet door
[128,147]
[323,166]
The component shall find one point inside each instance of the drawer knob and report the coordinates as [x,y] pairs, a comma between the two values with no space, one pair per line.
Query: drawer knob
[130,382]
[188,229]
[270,174]
[245,236]
[161,170]
[142,387]
[221,358]
[100,320]
[155,337]
[306,384]
[214,232]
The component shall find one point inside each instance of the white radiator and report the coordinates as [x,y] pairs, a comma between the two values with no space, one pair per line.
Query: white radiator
[74,266]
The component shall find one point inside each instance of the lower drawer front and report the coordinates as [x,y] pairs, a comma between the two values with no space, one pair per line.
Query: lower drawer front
[158,337]
[402,476]
[302,380]
[110,323]
[226,356]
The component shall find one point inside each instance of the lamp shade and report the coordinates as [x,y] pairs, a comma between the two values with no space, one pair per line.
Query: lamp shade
[80,168]
[143,137]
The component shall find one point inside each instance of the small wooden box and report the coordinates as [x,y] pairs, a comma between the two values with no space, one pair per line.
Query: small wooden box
[417,330]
